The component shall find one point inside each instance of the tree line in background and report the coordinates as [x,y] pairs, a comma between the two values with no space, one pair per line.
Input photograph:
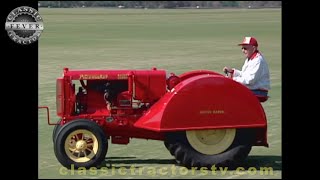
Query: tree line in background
[162,4]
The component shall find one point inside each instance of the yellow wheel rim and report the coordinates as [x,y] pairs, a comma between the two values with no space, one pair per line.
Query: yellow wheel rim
[212,141]
[81,145]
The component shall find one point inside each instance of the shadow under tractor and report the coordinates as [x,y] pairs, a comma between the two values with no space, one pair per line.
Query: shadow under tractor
[203,117]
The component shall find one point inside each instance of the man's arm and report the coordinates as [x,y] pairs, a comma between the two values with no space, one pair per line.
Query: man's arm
[250,74]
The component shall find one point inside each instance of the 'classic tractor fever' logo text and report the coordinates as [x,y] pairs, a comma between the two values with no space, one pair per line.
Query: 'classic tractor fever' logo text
[24,25]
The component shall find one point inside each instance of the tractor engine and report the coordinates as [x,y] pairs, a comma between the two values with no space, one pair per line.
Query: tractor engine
[102,94]
[101,89]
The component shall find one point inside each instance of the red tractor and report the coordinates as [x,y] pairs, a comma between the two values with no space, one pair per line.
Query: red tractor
[203,117]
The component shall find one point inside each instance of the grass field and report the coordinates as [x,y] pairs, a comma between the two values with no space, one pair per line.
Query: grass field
[175,40]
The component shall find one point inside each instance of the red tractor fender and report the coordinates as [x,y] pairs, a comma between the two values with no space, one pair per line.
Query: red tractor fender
[205,101]
[195,73]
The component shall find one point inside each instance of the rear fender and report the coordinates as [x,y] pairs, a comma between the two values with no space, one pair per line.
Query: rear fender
[197,72]
[205,101]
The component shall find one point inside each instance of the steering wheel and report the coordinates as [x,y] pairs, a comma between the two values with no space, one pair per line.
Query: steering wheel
[228,74]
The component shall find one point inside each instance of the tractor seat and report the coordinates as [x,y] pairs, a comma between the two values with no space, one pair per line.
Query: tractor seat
[262,98]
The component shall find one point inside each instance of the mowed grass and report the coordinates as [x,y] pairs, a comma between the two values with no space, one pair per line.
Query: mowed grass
[175,40]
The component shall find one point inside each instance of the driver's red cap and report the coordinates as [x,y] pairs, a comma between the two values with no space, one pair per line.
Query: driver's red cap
[249,41]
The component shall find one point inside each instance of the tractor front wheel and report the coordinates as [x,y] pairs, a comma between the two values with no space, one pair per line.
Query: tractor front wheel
[81,143]
[55,131]
[205,148]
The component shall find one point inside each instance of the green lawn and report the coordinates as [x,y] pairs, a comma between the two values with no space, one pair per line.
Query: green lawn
[175,40]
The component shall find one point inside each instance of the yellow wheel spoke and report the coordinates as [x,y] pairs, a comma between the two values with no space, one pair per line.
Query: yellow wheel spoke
[89,150]
[72,149]
[71,145]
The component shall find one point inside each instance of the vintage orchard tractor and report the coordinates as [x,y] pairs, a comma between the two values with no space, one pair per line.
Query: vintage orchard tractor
[203,117]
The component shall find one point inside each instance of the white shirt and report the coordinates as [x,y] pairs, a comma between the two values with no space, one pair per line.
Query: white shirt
[254,73]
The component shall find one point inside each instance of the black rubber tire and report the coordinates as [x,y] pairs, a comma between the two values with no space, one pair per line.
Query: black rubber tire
[167,145]
[55,131]
[185,155]
[72,126]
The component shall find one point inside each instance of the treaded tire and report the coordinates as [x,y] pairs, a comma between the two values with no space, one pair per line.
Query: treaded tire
[98,144]
[185,155]
[55,131]
[167,145]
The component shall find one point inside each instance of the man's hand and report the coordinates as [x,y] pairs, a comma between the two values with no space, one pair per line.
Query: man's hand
[227,70]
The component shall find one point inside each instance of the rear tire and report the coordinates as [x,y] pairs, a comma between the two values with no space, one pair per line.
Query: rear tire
[81,143]
[167,145]
[206,153]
